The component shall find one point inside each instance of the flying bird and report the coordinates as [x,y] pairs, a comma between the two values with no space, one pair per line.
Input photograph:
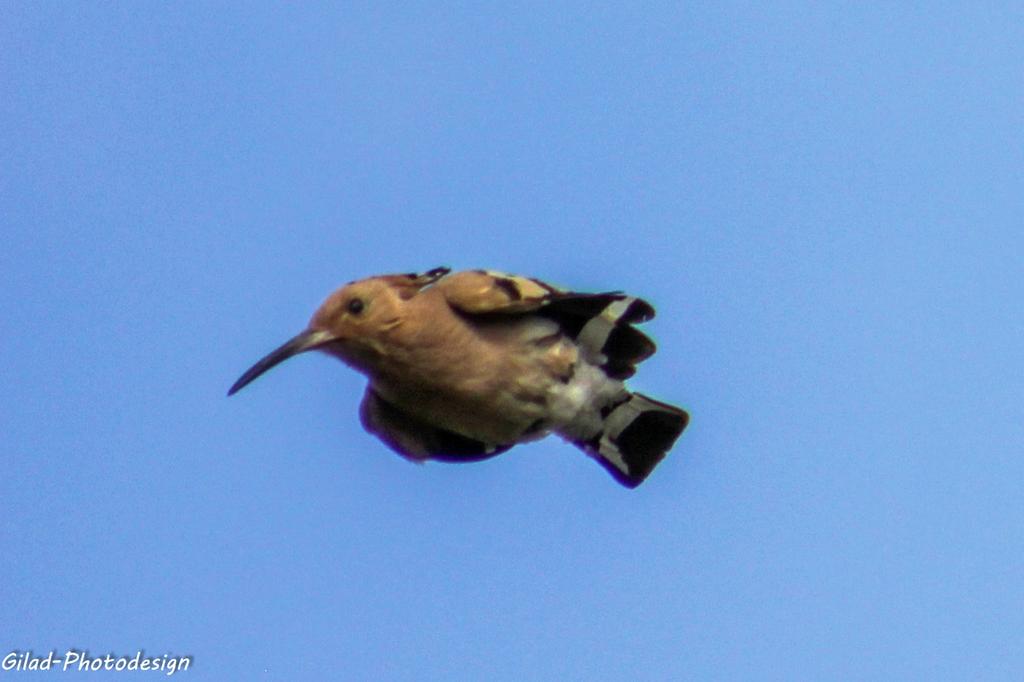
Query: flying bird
[464,366]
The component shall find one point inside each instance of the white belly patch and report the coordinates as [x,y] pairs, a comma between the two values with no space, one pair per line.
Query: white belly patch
[575,407]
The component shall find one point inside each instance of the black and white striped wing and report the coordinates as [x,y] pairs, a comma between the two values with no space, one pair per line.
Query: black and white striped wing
[602,324]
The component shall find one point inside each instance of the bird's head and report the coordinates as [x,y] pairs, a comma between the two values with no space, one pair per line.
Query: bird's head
[352,324]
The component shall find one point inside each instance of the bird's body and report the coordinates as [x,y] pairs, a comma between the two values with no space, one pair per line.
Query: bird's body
[465,366]
[494,398]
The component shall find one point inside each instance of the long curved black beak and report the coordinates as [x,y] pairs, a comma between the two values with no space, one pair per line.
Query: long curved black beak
[307,340]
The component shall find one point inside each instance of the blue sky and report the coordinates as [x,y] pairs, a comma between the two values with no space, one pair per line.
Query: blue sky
[824,204]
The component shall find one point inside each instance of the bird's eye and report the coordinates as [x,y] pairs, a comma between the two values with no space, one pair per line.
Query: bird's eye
[356,305]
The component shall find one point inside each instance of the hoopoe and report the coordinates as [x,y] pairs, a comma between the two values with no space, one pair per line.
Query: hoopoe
[463,366]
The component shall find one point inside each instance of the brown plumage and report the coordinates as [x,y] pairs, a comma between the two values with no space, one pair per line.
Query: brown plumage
[464,366]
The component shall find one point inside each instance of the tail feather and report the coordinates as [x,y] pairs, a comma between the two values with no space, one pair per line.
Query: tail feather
[636,435]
